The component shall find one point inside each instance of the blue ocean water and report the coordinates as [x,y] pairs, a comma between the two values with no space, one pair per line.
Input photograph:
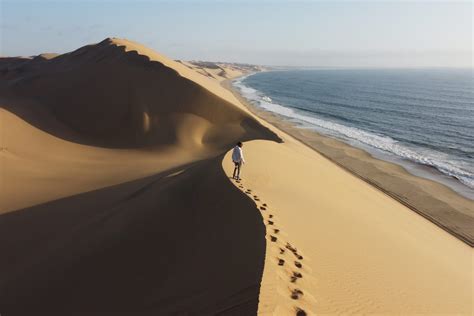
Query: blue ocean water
[413,117]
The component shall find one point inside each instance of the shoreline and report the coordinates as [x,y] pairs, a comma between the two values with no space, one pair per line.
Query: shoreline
[434,201]
[414,167]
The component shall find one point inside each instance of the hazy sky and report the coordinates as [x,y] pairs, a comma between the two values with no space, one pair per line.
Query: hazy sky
[294,33]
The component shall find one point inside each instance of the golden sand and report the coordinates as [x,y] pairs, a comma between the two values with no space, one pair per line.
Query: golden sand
[116,198]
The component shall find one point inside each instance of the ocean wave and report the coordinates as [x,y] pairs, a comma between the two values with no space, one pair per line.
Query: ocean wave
[266,99]
[428,157]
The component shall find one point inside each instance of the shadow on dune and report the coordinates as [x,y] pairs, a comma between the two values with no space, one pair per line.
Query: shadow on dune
[173,243]
[103,95]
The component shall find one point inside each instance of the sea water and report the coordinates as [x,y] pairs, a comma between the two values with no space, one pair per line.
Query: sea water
[415,117]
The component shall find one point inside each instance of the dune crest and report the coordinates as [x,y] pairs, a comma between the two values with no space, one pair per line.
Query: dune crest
[120,94]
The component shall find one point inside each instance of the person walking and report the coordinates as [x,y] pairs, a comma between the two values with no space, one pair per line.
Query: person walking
[238,159]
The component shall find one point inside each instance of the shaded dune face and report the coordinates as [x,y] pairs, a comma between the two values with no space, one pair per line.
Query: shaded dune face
[137,248]
[104,96]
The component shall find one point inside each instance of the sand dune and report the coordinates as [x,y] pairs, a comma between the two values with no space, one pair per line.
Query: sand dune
[111,95]
[119,94]
[221,71]
[116,200]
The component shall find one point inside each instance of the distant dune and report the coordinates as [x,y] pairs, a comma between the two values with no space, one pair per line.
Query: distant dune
[221,71]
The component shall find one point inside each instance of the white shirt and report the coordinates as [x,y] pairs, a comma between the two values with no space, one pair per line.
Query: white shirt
[237,155]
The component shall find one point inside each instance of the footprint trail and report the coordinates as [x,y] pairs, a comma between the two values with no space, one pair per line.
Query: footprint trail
[291,276]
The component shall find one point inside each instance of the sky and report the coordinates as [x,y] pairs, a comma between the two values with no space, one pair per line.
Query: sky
[279,33]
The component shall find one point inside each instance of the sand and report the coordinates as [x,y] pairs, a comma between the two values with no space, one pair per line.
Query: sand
[116,199]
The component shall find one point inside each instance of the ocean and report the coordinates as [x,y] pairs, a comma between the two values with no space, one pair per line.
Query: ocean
[413,117]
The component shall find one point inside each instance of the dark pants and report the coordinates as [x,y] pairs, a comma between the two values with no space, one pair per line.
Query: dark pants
[237,170]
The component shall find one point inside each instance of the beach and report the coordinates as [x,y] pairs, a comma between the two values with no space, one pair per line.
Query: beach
[117,198]
[433,200]
[350,270]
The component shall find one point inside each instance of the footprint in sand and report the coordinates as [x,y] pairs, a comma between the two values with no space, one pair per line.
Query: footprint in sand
[296,294]
[295,276]
[290,247]
[294,251]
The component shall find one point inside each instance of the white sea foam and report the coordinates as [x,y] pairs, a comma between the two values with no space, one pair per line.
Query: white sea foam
[446,164]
